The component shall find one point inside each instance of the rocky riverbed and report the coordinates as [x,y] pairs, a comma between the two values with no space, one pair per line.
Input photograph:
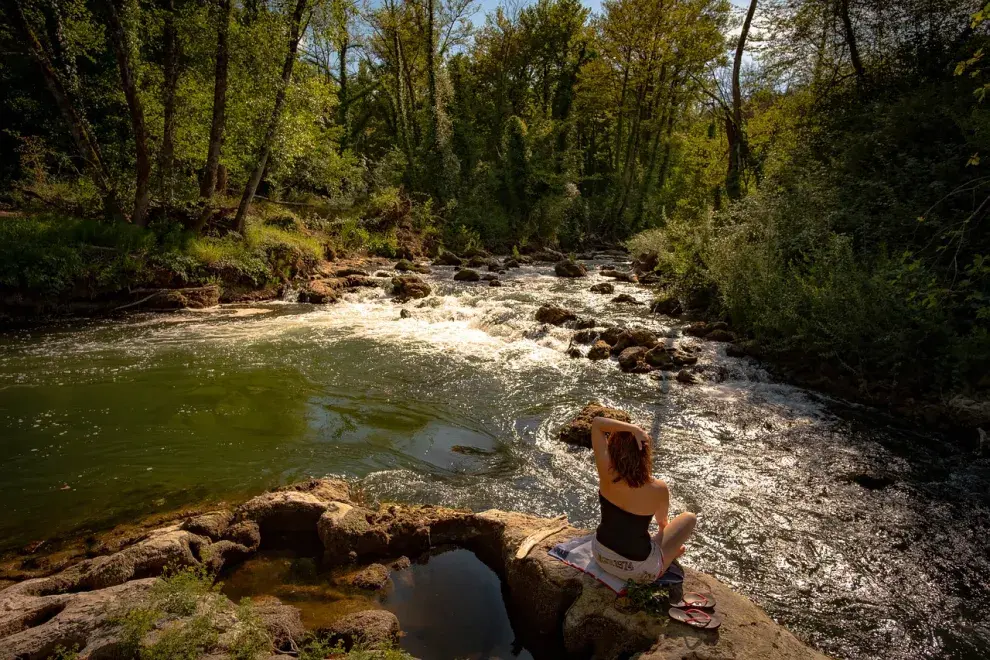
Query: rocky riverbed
[553,605]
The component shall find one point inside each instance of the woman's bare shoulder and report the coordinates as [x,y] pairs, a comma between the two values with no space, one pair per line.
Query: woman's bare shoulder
[659,488]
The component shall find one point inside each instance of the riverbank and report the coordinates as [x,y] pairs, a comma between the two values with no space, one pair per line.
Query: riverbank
[552,606]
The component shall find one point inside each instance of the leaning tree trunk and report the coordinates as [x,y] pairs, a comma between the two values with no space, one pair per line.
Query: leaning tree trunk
[266,145]
[851,41]
[86,144]
[166,159]
[208,185]
[736,134]
[123,51]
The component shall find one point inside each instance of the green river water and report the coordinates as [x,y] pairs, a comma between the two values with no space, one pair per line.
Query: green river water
[102,421]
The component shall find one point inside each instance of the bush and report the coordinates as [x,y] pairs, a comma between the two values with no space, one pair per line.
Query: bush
[384,244]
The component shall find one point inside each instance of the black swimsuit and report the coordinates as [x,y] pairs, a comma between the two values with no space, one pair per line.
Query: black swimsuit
[625,533]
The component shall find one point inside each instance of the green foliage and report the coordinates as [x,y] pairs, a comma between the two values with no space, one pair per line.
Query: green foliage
[54,256]
[648,597]
[252,640]
[386,204]
[182,618]
[384,244]
[319,649]
[65,653]
[460,239]
[178,590]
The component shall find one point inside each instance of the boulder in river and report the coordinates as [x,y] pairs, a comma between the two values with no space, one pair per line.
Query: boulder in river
[611,334]
[574,352]
[600,351]
[510,263]
[354,281]
[568,268]
[320,292]
[489,277]
[717,331]
[721,335]
[625,298]
[686,377]
[668,304]
[406,287]
[406,266]
[584,324]
[466,275]
[478,262]
[659,358]
[604,287]
[383,273]
[578,430]
[448,259]
[633,359]
[620,276]
[344,272]
[586,336]
[634,337]
[554,315]
[494,283]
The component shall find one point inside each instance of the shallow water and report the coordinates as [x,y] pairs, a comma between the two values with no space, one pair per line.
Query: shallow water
[459,405]
[449,603]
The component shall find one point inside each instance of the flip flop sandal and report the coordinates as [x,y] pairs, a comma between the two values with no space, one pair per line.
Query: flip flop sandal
[696,618]
[695,599]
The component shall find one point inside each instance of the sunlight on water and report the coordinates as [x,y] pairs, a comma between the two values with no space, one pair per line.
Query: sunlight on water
[460,403]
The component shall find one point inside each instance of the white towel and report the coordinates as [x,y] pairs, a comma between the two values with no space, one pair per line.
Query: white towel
[578,553]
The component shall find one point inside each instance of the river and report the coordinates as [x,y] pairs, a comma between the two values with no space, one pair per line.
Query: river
[866,538]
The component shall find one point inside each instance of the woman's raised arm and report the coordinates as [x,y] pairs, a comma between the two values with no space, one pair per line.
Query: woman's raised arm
[600,426]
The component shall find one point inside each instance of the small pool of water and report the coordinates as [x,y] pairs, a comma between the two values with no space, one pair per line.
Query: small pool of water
[449,604]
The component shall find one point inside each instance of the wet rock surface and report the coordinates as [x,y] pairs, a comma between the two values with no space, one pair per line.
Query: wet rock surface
[578,430]
[554,315]
[371,629]
[406,287]
[467,275]
[570,269]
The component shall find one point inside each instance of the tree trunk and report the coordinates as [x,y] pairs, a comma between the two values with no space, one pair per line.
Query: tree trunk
[123,50]
[851,41]
[166,161]
[431,71]
[86,144]
[343,102]
[737,136]
[208,186]
[266,145]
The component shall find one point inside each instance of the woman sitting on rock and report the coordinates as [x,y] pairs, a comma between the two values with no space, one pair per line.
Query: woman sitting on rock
[630,498]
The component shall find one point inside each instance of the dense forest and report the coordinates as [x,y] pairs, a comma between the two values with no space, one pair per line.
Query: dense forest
[809,170]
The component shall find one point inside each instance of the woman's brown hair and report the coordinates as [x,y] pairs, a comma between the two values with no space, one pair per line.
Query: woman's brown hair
[630,463]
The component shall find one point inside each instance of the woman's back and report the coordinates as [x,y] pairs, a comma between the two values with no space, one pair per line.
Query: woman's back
[623,532]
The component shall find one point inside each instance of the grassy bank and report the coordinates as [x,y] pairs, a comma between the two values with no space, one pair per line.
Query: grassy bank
[50,260]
